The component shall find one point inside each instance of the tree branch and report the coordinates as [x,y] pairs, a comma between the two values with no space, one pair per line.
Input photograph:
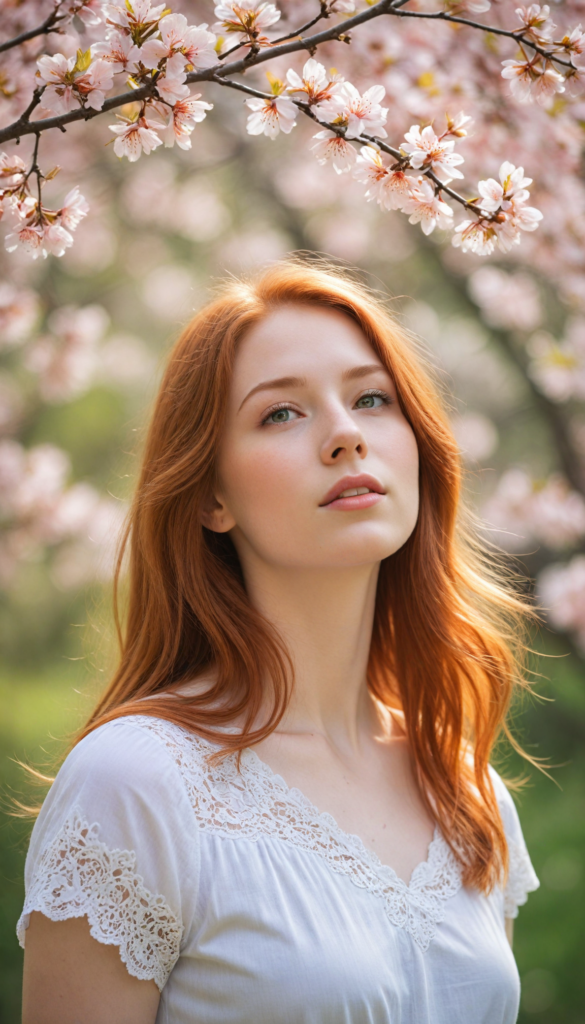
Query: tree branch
[47,26]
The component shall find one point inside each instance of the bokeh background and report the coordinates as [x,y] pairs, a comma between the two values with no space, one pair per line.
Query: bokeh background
[82,341]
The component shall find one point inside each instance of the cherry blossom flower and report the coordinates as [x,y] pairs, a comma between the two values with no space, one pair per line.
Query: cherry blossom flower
[426,207]
[271,116]
[427,150]
[138,17]
[67,359]
[135,136]
[332,148]
[355,112]
[535,20]
[573,43]
[185,115]
[119,51]
[91,12]
[476,236]
[74,209]
[171,85]
[317,84]
[391,189]
[558,368]
[194,42]
[561,589]
[532,510]
[19,309]
[74,81]
[495,194]
[533,80]
[12,168]
[248,21]
[506,300]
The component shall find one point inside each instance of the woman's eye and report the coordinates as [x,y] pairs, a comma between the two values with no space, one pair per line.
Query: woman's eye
[280,416]
[372,400]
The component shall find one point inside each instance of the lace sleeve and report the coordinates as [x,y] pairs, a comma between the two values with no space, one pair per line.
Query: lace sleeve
[522,878]
[115,842]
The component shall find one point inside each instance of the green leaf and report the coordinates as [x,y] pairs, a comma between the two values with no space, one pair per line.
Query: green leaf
[83,61]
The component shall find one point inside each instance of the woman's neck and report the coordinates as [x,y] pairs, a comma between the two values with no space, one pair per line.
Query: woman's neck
[326,619]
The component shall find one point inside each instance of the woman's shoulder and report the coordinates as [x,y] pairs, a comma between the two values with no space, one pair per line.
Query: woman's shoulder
[522,878]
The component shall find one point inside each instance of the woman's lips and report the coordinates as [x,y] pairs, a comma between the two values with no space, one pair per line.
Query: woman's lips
[356,501]
[352,493]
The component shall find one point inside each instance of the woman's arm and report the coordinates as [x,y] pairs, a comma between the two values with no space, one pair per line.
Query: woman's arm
[70,978]
[509,928]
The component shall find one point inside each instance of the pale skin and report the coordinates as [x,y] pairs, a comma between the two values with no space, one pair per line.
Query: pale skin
[310,404]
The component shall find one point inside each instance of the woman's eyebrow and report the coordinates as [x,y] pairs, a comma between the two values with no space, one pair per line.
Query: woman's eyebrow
[278,382]
[362,371]
[298,382]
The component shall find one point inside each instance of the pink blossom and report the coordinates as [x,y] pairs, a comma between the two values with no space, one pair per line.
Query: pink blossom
[67,360]
[136,16]
[315,82]
[12,168]
[75,208]
[331,147]
[391,189]
[18,312]
[185,115]
[558,368]
[494,194]
[195,43]
[119,51]
[506,300]
[27,237]
[533,80]
[69,85]
[428,151]
[133,137]
[531,510]
[91,12]
[271,116]
[477,235]
[427,208]
[357,113]
[561,591]
[170,84]
[247,21]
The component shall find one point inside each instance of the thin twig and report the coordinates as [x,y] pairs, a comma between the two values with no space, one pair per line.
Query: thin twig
[47,26]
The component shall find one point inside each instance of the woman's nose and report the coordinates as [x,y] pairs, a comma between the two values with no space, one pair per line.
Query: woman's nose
[344,439]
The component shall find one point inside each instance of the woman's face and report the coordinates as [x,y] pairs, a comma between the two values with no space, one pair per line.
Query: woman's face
[318,467]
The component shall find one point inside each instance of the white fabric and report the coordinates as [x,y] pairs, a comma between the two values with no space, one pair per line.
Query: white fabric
[248,906]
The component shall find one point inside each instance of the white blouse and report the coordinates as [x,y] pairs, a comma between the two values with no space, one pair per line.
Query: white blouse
[248,906]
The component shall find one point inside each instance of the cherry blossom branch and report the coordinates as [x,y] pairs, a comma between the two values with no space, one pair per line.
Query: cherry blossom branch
[360,140]
[45,28]
[23,127]
[516,34]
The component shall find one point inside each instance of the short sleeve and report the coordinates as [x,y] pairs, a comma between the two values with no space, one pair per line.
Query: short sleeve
[522,878]
[116,841]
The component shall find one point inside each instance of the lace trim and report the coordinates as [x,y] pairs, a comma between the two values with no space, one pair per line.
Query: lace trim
[77,876]
[256,802]
[521,879]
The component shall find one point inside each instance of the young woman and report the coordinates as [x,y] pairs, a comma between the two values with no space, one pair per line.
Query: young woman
[309,625]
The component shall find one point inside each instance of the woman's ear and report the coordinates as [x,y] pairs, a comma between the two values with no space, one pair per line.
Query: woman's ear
[216,516]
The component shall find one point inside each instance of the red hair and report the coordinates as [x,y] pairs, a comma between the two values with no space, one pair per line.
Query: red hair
[447,627]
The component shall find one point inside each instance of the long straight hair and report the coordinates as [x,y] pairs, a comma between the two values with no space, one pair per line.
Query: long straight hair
[448,625]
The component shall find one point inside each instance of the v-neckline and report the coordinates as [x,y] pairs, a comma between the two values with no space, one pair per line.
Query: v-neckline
[351,839]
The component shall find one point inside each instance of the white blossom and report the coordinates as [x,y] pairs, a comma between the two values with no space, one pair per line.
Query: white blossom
[332,148]
[391,189]
[271,116]
[248,21]
[135,136]
[185,115]
[427,208]
[317,84]
[356,112]
[194,42]
[427,150]
[533,80]
[119,51]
